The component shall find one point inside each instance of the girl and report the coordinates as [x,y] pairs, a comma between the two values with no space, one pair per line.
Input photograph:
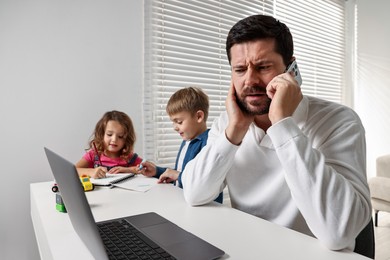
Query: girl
[111,147]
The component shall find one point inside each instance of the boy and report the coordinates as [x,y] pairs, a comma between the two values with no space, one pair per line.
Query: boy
[188,110]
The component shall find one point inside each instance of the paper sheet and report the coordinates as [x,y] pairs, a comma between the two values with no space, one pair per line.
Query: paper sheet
[138,183]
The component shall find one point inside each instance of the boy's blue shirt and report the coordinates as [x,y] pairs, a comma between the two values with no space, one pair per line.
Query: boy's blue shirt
[193,149]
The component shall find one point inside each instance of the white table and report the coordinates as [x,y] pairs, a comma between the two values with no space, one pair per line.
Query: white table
[240,235]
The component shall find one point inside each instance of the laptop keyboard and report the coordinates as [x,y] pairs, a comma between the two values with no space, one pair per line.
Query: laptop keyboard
[123,241]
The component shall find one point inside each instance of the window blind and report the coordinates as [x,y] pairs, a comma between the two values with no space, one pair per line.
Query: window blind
[318,29]
[185,46]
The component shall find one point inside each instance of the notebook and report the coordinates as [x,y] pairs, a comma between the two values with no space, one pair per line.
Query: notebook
[134,182]
[111,178]
[150,227]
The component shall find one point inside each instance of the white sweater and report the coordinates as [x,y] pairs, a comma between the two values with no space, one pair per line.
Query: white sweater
[307,173]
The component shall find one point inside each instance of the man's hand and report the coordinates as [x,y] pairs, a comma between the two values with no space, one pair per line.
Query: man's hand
[286,96]
[239,121]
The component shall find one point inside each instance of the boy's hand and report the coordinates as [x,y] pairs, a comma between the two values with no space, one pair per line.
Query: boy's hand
[168,176]
[148,169]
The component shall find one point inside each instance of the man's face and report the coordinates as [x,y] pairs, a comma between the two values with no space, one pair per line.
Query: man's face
[254,64]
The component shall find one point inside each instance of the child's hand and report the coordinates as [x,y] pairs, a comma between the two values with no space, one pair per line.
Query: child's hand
[168,176]
[99,172]
[148,169]
[120,169]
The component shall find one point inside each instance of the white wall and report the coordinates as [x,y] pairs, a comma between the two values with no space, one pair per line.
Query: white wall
[372,93]
[62,65]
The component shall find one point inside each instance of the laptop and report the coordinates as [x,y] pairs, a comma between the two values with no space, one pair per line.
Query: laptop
[155,233]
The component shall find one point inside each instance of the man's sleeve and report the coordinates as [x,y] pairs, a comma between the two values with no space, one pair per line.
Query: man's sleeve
[328,183]
[203,177]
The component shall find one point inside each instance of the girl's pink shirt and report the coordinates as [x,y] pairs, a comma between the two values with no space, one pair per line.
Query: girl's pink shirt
[89,156]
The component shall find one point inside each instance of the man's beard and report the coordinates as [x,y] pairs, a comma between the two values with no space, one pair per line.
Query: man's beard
[254,108]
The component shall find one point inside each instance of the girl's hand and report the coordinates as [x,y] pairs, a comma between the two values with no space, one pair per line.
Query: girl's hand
[99,172]
[121,169]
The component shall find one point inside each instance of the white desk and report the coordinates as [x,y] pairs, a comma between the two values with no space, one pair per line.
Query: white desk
[240,235]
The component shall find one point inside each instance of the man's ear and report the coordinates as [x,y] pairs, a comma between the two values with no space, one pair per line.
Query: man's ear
[199,116]
[292,59]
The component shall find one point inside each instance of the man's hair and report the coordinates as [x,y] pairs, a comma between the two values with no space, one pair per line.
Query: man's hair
[190,99]
[257,27]
[129,133]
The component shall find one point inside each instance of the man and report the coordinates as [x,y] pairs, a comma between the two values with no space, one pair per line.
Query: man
[294,160]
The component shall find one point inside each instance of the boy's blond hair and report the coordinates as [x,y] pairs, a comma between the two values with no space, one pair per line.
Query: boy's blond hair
[190,99]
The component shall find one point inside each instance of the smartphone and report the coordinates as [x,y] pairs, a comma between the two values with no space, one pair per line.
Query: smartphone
[294,68]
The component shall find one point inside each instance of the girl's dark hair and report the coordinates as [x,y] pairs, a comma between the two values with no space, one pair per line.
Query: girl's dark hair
[100,128]
[257,27]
